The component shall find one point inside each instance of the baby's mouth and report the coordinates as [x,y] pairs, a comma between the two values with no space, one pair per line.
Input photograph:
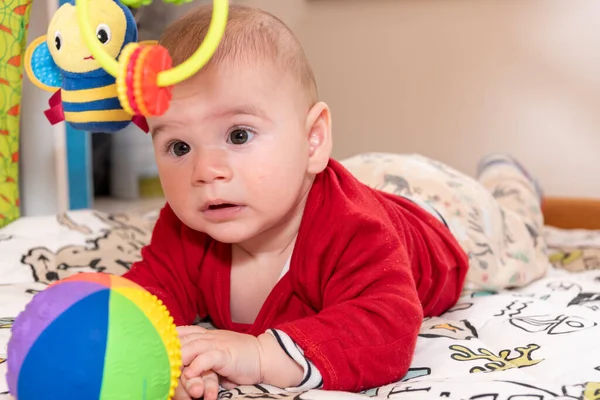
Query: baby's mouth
[221,206]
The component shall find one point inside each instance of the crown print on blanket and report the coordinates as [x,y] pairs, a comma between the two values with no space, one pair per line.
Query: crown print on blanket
[500,362]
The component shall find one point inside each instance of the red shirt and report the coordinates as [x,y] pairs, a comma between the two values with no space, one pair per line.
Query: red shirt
[366,268]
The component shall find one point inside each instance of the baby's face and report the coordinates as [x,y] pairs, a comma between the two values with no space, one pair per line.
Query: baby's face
[232,151]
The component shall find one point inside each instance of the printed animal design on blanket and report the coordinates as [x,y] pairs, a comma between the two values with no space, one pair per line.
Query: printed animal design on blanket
[514,308]
[460,307]
[558,288]
[416,373]
[552,324]
[6,323]
[494,390]
[113,251]
[474,222]
[592,391]
[66,221]
[583,391]
[441,328]
[263,392]
[482,293]
[588,300]
[475,292]
[482,252]
[535,235]
[395,184]
[500,362]
[575,260]
[5,238]
[483,249]
[247,392]
[413,373]
[564,286]
[501,191]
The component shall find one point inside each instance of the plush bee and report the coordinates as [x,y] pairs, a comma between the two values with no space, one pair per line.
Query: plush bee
[85,95]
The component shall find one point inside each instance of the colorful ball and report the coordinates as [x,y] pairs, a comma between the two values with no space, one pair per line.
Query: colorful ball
[94,336]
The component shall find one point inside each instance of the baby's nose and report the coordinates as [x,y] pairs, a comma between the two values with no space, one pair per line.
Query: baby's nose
[212,166]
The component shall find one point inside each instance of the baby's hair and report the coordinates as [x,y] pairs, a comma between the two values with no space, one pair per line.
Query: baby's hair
[251,36]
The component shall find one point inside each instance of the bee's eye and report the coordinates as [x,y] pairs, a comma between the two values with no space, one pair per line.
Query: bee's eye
[103,33]
[57,40]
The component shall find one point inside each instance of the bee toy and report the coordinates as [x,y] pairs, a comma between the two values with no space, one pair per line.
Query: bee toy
[85,95]
[101,78]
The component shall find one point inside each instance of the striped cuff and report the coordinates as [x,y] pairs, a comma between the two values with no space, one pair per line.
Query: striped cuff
[312,377]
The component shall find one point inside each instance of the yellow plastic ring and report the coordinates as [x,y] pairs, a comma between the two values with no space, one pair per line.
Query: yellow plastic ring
[171,76]
[122,93]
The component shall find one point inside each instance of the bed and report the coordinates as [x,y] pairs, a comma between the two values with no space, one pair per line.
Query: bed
[538,342]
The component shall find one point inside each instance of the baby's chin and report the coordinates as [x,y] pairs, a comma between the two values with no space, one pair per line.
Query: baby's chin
[230,232]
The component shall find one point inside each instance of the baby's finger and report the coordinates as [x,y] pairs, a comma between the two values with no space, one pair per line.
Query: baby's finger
[195,336]
[194,348]
[214,360]
[181,393]
[195,387]
[186,330]
[211,385]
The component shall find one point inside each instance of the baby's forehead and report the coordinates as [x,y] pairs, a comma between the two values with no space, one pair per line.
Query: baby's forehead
[253,40]
[234,93]
[256,81]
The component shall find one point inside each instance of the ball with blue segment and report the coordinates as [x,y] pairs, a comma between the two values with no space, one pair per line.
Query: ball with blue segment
[94,336]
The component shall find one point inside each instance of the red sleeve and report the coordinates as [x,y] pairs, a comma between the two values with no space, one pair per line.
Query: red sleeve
[365,334]
[169,268]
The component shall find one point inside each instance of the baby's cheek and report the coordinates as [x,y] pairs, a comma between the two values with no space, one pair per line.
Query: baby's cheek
[170,188]
[178,195]
[173,176]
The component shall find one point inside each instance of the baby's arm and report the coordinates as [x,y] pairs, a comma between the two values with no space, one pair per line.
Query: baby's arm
[280,366]
[365,334]
[288,353]
[240,359]
[168,269]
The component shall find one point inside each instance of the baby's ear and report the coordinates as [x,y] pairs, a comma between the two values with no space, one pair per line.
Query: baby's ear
[318,124]
[40,66]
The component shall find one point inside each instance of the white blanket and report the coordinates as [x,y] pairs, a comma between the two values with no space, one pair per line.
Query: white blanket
[539,342]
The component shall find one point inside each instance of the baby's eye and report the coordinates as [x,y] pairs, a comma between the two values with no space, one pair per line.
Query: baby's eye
[179,149]
[240,136]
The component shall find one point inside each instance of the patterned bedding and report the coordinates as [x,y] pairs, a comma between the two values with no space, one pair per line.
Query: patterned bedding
[539,342]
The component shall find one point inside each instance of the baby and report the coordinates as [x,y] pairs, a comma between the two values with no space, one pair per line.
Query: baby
[315,273]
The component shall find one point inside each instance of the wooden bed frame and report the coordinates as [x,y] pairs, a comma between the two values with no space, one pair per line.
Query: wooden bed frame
[571,213]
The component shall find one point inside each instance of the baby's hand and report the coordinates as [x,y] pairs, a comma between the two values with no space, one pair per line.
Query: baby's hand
[233,356]
[207,385]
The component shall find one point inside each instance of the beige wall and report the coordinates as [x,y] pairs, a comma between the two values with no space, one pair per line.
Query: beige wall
[457,79]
